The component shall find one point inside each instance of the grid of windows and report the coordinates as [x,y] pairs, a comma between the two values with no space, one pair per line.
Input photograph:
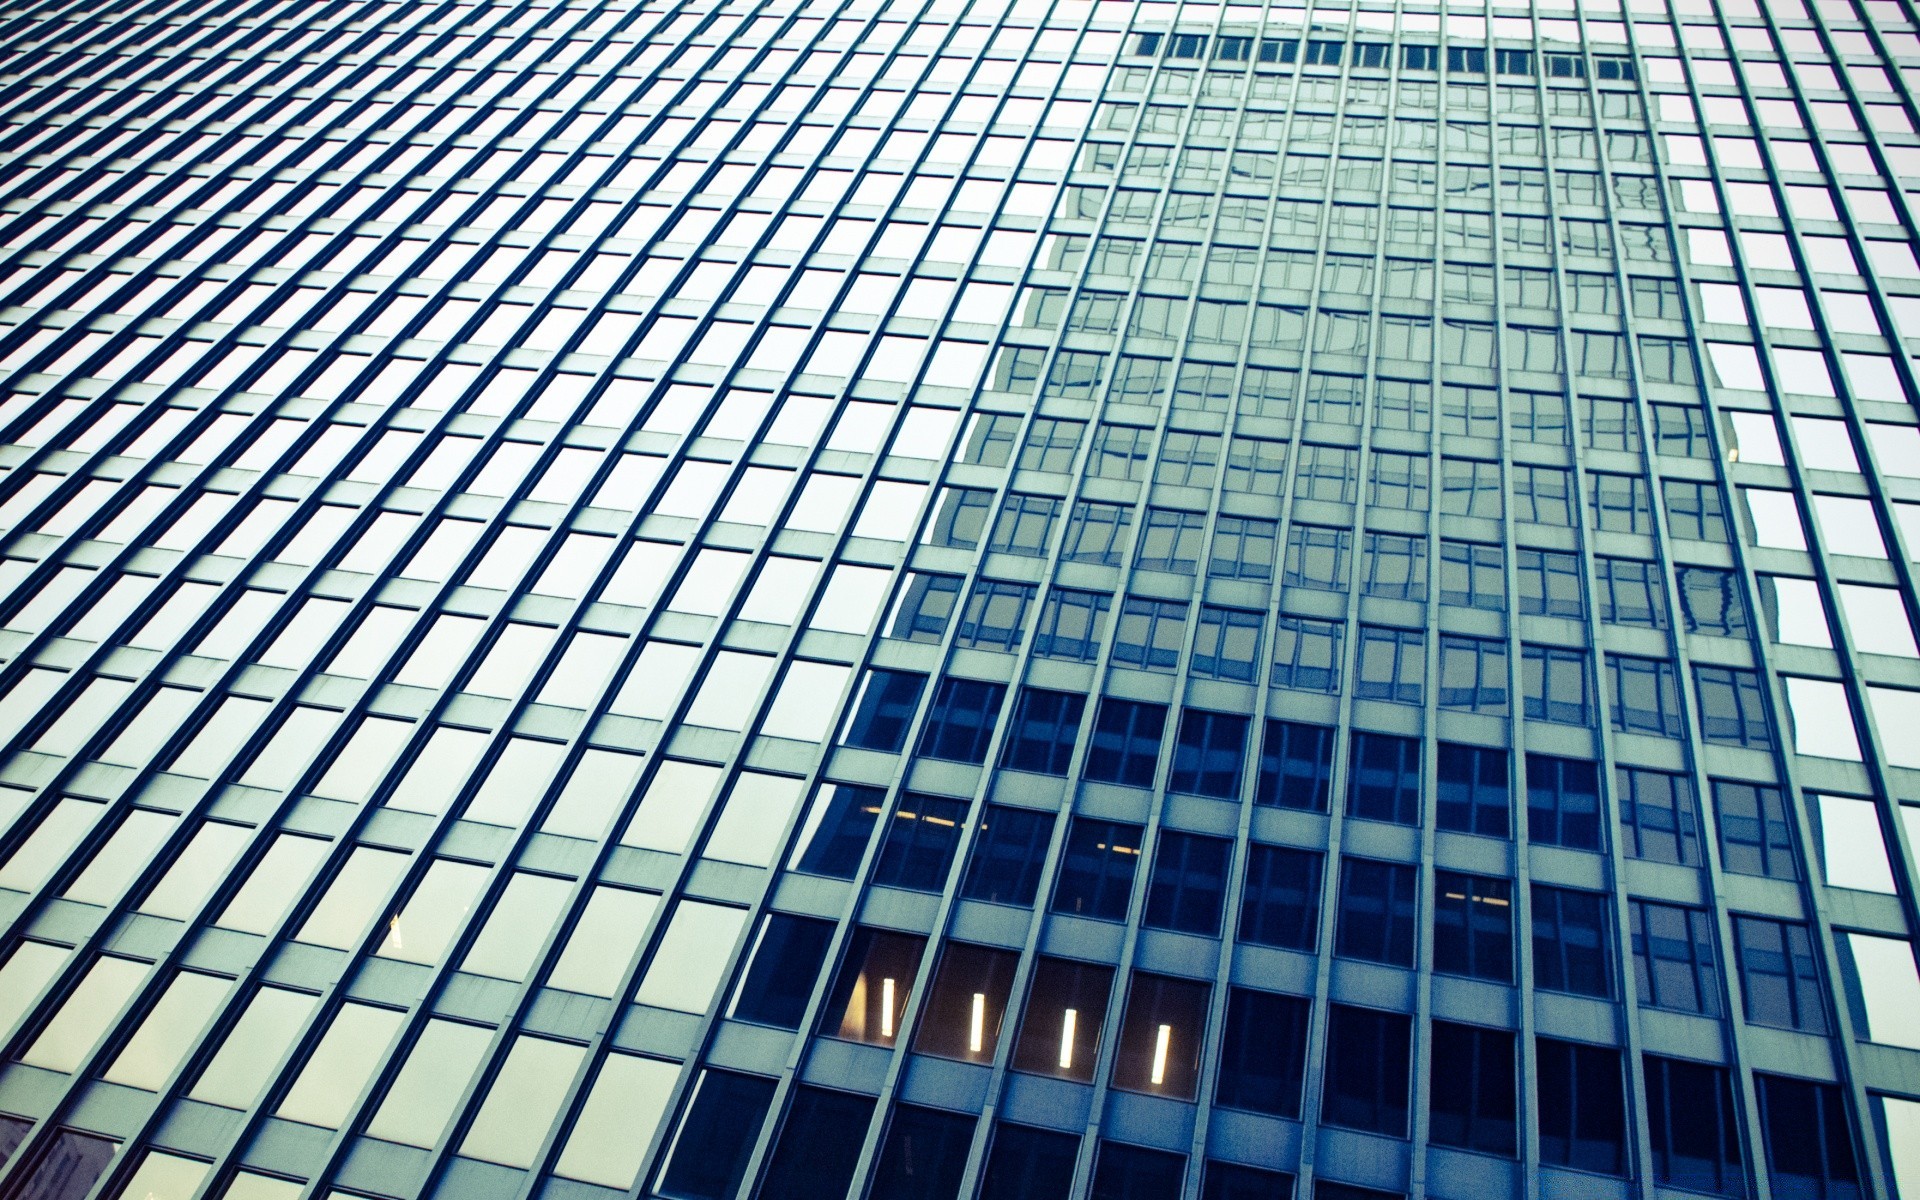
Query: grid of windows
[549,551]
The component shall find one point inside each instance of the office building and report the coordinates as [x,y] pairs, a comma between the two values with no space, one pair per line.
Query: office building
[950,599]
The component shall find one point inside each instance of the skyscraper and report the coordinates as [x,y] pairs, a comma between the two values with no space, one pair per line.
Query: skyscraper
[940,599]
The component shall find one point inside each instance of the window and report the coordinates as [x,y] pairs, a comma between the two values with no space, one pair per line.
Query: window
[1658,817]
[1126,742]
[1008,855]
[1172,540]
[1673,957]
[1073,624]
[1398,481]
[1756,834]
[710,1150]
[996,615]
[1563,802]
[1473,1093]
[1543,495]
[870,993]
[1045,726]
[1208,753]
[1368,1068]
[1028,1164]
[1376,916]
[1394,567]
[925,1153]
[1631,592]
[1808,1138]
[1693,1126]
[925,606]
[780,971]
[1470,488]
[1473,575]
[1473,926]
[1732,709]
[818,1147]
[1120,452]
[1555,684]
[883,710]
[959,518]
[1548,584]
[1472,790]
[1317,558]
[1296,765]
[1697,511]
[1243,548]
[1779,976]
[1392,665]
[960,721]
[838,824]
[920,841]
[1123,1172]
[1161,1032]
[1257,466]
[1188,884]
[1150,633]
[1383,780]
[1280,902]
[1580,1095]
[1227,644]
[1025,524]
[1096,877]
[1097,533]
[1051,444]
[1059,1034]
[1187,460]
[1711,602]
[1572,936]
[966,1003]
[1306,654]
[1473,675]
[1619,503]
[1263,1053]
[1645,694]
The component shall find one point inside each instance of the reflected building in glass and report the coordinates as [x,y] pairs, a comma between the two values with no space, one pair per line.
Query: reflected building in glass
[959,600]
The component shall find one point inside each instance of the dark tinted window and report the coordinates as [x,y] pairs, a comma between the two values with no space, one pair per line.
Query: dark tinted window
[961,719]
[1384,780]
[1809,1141]
[1208,753]
[921,839]
[1126,742]
[838,825]
[1045,726]
[1377,904]
[1008,855]
[1563,802]
[1367,1070]
[1472,790]
[1473,1089]
[715,1138]
[1096,878]
[1571,936]
[1280,903]
[1581,1098]
[884,707]
[818,1146]
[1296,765]
[1693,1126]
[781,969]
[1134,1173]
[1473,926]
[1189,882]
[924,1155]
[1029,1164]
[1263,1052]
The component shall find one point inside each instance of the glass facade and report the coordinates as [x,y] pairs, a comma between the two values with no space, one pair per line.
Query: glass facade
[959,600]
